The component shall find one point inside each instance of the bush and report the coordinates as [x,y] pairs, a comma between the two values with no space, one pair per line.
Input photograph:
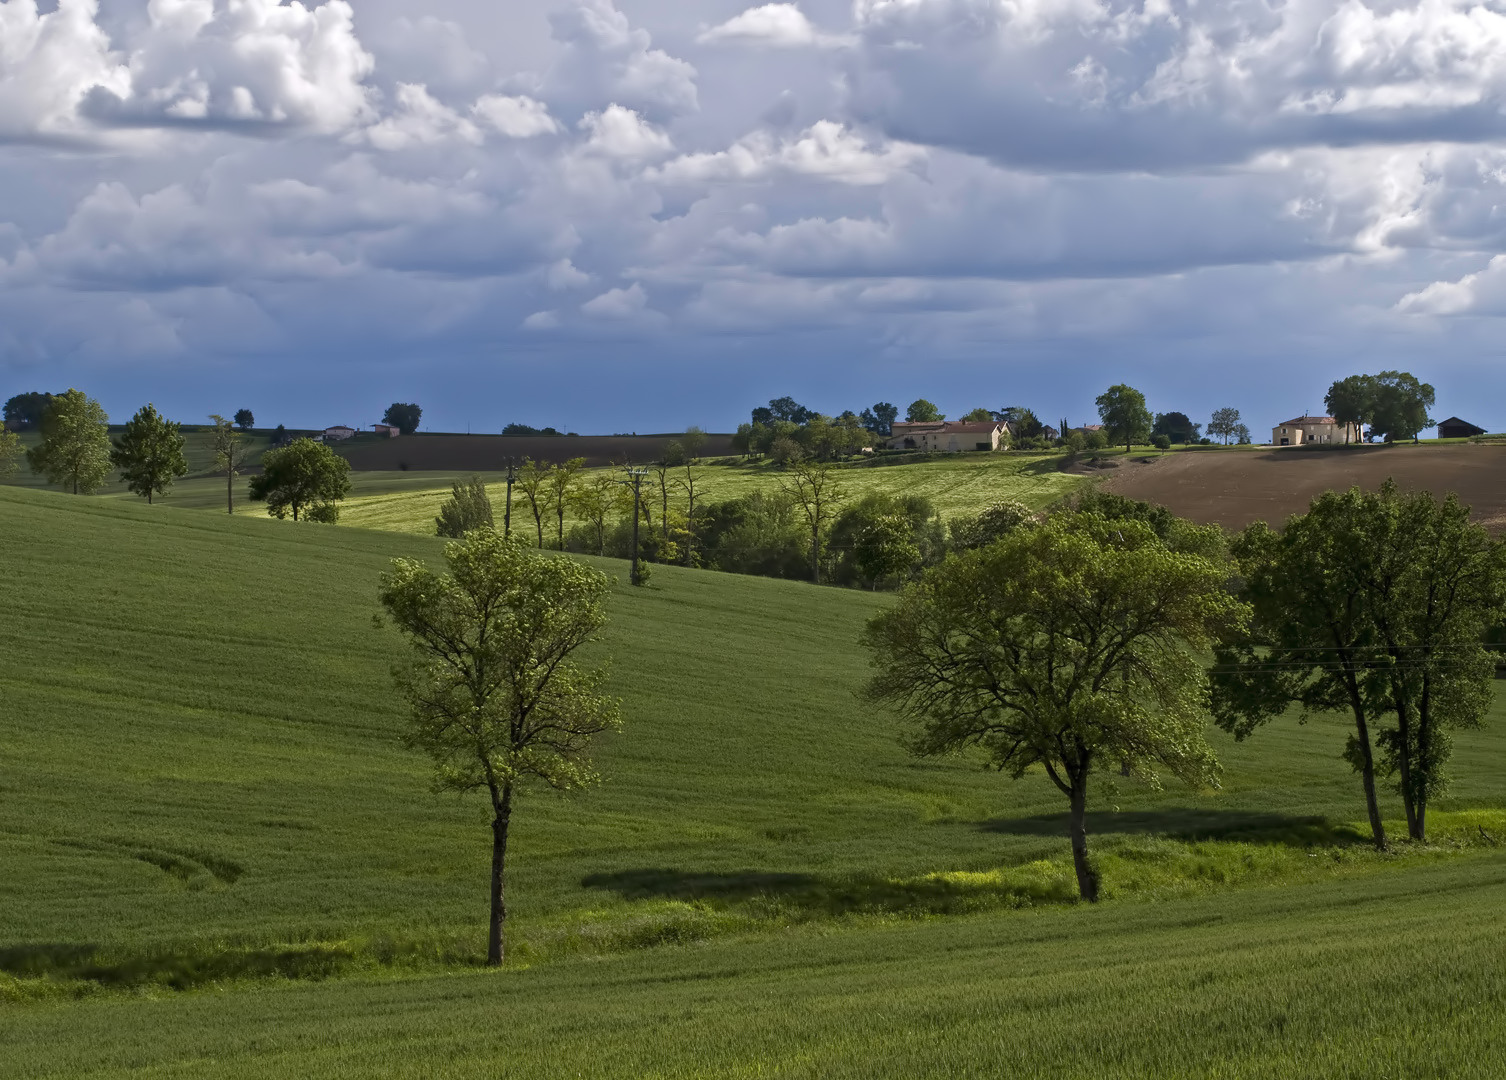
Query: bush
[995,523]
[1097,440]
[1161,442]
[467,508]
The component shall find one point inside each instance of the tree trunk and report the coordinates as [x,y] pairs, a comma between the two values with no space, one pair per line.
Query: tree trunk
[1367,758]
[815,554]
[494,942]
[1087,877]
[229,492]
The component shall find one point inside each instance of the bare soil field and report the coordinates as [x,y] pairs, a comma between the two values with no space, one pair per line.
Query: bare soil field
[490,453]
[1234,488]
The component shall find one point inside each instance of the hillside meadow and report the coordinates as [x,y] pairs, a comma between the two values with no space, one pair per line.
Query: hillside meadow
[220,861]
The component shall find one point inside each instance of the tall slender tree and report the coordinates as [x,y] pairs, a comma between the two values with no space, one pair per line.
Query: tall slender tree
[229,455]
[497,700]
[149,453]
[816,488]
[533,482]
[561,485]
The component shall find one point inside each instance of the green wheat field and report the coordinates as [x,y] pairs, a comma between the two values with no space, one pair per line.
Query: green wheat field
[219,860]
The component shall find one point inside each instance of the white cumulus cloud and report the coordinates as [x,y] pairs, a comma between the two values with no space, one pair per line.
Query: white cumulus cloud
[782,26]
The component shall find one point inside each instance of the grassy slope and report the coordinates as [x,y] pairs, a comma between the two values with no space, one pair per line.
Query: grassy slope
[1399,976]
[200,750]
[955,484]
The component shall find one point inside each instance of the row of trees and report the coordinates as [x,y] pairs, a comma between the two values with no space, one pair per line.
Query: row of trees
[1074,642]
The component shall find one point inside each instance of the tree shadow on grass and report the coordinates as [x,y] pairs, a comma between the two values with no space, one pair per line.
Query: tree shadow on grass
[809,895]
[1187,823]
[171,970]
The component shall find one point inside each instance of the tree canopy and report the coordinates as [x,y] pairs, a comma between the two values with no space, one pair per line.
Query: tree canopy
[10,453]
[230,454]
[305,479]
[245,419]
[75,447]
[1122,410]
[1176,426]
[403,417]
[922,411]
[1225,424]
[496,700]
[1394,404]
[149,453]
[468,507]
[1068,644]
[24,412]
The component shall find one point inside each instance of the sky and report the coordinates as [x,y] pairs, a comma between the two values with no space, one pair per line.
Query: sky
[638,215]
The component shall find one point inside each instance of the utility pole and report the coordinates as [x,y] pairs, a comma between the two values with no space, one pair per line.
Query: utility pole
[512,474]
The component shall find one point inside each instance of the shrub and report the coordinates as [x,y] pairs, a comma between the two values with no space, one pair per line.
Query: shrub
[1161,442]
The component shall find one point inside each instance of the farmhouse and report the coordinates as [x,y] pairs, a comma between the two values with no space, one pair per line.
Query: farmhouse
[948,436]
[1313,429]
[386,431]
[1454,428]
[338,433]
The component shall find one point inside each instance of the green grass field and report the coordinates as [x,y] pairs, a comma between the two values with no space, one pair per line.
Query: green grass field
[956,484]
[201,786]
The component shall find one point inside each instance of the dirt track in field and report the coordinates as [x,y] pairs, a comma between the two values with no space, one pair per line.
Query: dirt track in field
[1234,488]
[490,453]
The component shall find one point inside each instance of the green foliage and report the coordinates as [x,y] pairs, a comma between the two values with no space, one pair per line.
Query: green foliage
[922,411]
[75,447]
[1161,442]
[10,453]
[1067,644]
[978,416]
[879,419]
[149,453]
[23,412]
[1177,427]
[1351,400]
[884,540]
[497,700]
[230,454]
[1224,424]
[992,525]
[467,508]
[244,419]
[303,478]
[1401,405]
[403,417]
[1122,410]
[817,490]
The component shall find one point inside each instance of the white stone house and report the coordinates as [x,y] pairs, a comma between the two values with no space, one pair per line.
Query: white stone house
[338,433]
[1304,430]
[948,436]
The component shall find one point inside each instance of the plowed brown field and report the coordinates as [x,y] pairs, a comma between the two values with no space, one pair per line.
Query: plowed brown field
[1234,488]
[490,453]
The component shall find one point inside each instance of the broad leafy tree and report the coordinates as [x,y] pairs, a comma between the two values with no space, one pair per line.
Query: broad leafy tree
[305,479]
[533,482]
[149,453]
[1122,410]
[1351,400]
[403,417]
[1176,426]
[75,447]
[1070,644]
[978,416]
[468,507]
[786,408]
[1401,406]
[595,500]
[922,411]
[992,524]
[1022,421]
[24,412]
[497,700]
[245,419]
[1224,424]
[230,454]
[814,487]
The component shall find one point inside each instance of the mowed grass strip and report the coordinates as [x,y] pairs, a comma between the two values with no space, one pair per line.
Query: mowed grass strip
[1398,975]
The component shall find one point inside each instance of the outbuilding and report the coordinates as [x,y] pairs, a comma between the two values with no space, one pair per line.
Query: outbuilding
[1454,428]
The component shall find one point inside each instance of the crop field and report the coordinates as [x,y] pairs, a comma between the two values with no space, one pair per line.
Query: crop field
[955,483]
[1235,488]
[219,861]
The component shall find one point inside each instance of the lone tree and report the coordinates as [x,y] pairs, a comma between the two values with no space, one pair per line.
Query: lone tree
[1068,644]
[75,447]
[229,455]
[403,417]
[1176,426]
[497,701]
[1124,415]
[244,419]
[533,482]
[1351,400]
[149,453]
[1224,424]
[1401,406]
[304,477]
[468,507]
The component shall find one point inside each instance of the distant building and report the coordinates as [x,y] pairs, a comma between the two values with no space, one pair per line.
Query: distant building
[1313,429]
[386,431]
[338,433]
[1454,428]
[948,436]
